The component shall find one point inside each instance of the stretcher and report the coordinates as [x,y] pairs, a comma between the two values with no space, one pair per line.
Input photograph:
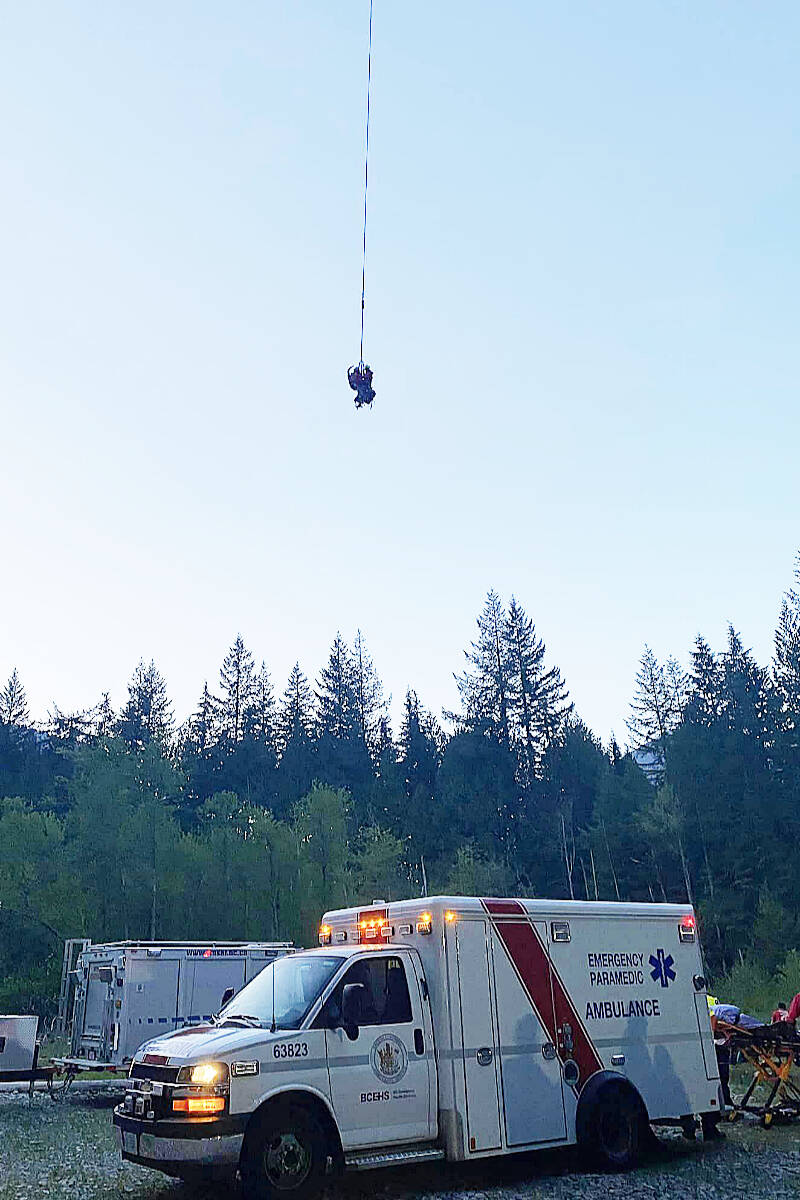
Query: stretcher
[773,1052]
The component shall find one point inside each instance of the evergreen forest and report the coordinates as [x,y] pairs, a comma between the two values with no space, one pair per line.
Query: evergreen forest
[267,806]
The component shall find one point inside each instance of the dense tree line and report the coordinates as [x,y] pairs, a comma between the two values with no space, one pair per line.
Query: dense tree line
[261,810]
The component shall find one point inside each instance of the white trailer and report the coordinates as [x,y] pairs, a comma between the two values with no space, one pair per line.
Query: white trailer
[450,1028]
[17,1044]
[127,992]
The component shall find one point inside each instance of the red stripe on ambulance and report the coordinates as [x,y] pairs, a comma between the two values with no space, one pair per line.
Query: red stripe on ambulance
[532,962]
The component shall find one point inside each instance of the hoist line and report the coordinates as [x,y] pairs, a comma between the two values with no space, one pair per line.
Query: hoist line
[366,187]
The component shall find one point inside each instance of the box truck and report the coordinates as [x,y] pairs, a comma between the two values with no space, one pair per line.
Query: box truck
[126,992]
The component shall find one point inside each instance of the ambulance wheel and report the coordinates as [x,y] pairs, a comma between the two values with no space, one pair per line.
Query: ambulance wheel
[614,1127]
[284,1155]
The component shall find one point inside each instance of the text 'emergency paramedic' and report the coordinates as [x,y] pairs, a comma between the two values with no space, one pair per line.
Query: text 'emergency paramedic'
[618,970]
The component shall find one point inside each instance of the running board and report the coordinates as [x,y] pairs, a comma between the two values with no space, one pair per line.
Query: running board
[367,1159]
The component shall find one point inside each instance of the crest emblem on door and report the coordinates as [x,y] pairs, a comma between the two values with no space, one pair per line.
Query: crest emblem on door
[389,1058]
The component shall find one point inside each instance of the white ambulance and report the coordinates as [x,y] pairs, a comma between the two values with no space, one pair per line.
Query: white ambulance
[450,1028]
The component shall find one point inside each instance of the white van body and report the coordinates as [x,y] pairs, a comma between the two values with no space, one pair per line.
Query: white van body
[127,992]
[494,1027]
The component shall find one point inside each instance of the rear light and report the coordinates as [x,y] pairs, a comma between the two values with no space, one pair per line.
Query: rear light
[687,930]
[199,1106]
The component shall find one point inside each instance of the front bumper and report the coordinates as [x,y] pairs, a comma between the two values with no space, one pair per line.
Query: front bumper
[181,1147]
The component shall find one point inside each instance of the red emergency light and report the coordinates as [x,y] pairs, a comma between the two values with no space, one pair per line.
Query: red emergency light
[373,924]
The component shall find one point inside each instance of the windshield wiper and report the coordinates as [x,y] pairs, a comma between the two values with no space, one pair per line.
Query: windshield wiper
[246,1018]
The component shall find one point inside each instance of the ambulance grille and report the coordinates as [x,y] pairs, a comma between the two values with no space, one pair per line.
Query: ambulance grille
[153,1073]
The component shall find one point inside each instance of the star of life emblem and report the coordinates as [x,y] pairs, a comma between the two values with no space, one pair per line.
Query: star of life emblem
[663,965]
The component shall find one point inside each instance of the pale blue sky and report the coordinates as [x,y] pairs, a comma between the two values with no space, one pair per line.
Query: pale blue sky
[582,314]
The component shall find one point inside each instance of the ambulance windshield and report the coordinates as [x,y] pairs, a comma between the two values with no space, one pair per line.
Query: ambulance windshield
[282,994]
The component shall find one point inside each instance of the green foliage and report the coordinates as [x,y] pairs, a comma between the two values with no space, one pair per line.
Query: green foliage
[474,874]
[750,986]
[757,990]
[775,929]
[788,976]
[255,816]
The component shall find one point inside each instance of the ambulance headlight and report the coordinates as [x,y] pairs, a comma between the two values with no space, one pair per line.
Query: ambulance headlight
[205,1074]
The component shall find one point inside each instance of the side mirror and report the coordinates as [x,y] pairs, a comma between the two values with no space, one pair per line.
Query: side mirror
[353,997]
[227,996]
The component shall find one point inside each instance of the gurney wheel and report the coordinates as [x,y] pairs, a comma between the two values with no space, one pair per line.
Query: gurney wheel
[767,1119]
[733,1115]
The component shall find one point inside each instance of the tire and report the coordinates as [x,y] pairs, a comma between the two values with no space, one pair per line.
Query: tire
[614,1128]
[284,1155]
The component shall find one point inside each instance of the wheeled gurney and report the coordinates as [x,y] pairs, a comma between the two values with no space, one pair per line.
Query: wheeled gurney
[773,1051]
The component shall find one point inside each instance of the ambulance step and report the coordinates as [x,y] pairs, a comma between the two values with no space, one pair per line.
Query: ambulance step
[368,1159]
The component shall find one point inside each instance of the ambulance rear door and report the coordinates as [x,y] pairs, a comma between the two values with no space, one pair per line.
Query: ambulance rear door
[530,1068]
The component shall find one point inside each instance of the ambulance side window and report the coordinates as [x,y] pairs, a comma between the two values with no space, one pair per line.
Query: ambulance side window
[387,1001]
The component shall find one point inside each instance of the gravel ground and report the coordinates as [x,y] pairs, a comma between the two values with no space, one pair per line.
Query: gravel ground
[68,1150]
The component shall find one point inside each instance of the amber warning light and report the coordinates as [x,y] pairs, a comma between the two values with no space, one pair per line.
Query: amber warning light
[199,1105]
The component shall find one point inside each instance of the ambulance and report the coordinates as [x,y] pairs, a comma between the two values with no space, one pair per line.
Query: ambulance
[439,1029]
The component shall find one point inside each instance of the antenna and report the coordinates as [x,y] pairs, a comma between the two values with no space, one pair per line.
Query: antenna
[272,1026]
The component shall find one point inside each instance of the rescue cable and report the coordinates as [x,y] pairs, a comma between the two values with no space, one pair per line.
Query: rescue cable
[360,377]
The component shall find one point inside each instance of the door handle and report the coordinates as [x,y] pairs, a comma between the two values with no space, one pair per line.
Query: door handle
[419,1042]
[484,1056]
[548,1050]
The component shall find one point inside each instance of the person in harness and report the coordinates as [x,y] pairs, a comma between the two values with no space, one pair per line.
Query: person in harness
[360,380]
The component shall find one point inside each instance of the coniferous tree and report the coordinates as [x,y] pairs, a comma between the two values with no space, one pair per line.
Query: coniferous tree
[14,703]
[342,755]
[786,662]
[295,722]
[370,704]
[677,682]
[71,729]
[704,685]
[27,765]
[486,685]
[337,704]
[200,753]
[654,713]
[260,718]
[236,686]
[105,719]
[419,761]
[749,702]
[296,710]
[203,725]
[146,716]
[538,698]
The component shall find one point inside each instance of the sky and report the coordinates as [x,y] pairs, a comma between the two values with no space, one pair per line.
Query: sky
[582,314]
